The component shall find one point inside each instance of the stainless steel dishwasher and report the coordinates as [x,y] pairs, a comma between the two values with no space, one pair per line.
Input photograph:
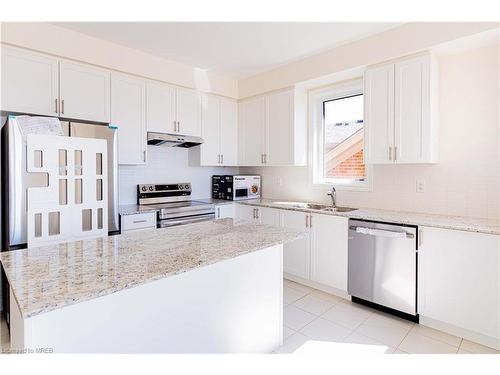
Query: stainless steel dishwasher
[382,266]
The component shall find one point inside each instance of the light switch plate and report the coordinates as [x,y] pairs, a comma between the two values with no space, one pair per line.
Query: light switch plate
[420,186]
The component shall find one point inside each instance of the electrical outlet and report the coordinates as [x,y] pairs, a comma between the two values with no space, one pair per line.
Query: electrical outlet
[420,186]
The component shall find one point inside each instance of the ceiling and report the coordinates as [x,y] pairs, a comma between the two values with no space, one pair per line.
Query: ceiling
[232,49]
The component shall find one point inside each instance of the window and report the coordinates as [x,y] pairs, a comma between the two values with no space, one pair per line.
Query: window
[339,136]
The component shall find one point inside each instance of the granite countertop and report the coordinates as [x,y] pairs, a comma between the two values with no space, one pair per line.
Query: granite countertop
[431,220]
[134,209]
[51,277]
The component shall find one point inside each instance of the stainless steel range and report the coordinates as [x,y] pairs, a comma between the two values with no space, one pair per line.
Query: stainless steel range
[174,204]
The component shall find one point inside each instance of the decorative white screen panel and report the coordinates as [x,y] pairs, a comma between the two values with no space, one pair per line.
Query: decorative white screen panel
[74,204]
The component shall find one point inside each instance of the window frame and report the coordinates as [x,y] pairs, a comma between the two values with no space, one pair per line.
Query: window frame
[317,98]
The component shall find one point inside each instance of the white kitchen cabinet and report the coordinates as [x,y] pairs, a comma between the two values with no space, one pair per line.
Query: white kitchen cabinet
[379,114]
[459,283]
[227,210]
[29,82]
[286,128]
[401,111]
[128,114]
[174,110]
[245,212]
[273,129]
[267,215]
[251,131]
[84,92]
[219,126]
[329,250]
[263,215]
[139,221]
[160,108]
[188,112]
[228,132]
[297,254]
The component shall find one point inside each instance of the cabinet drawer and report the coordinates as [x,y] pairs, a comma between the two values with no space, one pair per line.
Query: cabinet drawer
[139,221]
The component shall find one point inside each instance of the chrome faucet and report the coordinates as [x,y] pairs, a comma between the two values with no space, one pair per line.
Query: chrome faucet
[333,195]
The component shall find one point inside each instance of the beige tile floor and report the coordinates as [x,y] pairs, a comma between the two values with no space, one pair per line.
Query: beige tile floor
[319,323]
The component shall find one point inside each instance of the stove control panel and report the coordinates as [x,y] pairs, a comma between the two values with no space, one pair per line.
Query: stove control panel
[160,193]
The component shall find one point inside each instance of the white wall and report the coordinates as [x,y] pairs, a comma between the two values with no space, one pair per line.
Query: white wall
[165,165]
[466,180]
[61,42]
[399,41]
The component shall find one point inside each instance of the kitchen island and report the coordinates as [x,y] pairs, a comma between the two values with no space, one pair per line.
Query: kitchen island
[210,287]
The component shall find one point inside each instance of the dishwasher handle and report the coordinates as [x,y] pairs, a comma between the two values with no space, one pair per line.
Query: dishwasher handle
[381,232]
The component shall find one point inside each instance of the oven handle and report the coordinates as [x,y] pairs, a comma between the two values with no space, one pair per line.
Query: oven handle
[171,223]
[381,232]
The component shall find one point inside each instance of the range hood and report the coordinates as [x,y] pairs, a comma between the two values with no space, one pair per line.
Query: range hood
[173,140]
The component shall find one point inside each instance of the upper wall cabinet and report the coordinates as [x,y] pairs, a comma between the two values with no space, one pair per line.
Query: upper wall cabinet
[128,113]
[400,112]
[29,82]
[273,129]
[173,110]
[160,108]
[219,130]
[84,92]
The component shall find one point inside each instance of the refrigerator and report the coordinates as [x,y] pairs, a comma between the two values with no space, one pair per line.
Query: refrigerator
[16,180]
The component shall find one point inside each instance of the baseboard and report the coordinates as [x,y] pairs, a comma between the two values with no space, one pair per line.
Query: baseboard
[319,286]
[479,338]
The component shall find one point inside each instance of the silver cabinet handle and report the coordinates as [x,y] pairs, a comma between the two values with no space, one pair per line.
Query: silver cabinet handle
[139,221]
[390,153]
[257,213]
[175,126]
[218,212]
[178,126]
[144,156]
[62,106]
[57,109]
[254,214]
[310,221]
[420,237]
[395,153]
[307,221]
[222,159]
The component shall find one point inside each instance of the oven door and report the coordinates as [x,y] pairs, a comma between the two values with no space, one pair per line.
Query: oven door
[185,220]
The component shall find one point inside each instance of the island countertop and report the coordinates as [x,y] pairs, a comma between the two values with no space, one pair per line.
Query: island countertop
[51,277]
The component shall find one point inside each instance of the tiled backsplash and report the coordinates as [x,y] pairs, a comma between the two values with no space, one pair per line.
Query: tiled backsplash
[167,164]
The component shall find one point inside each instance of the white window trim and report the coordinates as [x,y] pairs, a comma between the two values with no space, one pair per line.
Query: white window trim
[316,99]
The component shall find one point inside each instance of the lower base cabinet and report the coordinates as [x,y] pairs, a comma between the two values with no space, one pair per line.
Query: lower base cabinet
[329,250]
[320,256]
[297,254]
[459,282]
[263,215]
[225,211]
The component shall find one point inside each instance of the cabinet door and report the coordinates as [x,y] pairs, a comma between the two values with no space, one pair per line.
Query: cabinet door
[188,113]
[210,120]
[280,129]
[296,254]
[229,132]
[128,113]
[251,133]
[225,210]
[412,110]
[329,250]
[29,82]
[160,108]
[245,212]
[84,92]
[458,279]
[267,215]
[379,115]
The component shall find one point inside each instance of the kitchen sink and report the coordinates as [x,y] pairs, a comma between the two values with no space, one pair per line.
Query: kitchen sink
[315,206]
